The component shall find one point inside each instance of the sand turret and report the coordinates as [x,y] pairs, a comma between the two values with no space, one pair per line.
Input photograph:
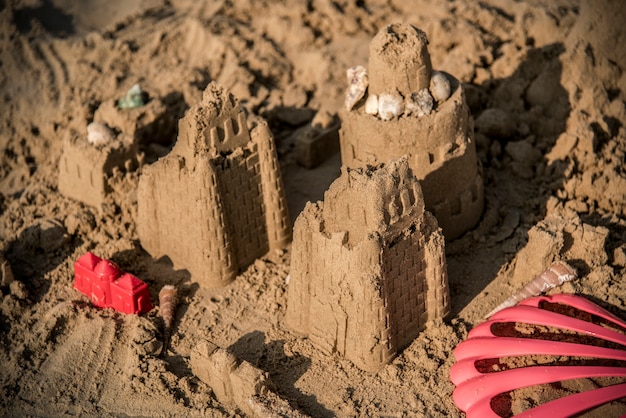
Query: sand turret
[400,106]
[216,202]
[399,61]
[368,266]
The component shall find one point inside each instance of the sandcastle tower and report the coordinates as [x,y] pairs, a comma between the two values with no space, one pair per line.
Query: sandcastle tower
[111,145]
[215,203]
[368,266]
[402,107]
[85,168]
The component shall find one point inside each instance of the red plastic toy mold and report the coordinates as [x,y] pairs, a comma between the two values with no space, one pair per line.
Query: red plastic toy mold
[109,287]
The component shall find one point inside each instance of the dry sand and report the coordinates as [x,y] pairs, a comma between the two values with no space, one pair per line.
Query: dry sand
[545,85]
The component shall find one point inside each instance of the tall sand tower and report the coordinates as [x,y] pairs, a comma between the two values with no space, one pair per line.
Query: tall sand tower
[368,266]
[216,202]
[400,106]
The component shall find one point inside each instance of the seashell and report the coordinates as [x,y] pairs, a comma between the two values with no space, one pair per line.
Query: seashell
[135,97]
[420,103]
[99,134]
[390,106]
[167,307]
[439,86]
[476,387]
[371,104]
[557,274]
[357,85]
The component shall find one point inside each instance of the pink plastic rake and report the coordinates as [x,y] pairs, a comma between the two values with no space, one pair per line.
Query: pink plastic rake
[474,390]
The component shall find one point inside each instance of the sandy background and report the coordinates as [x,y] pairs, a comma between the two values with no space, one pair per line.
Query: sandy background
[546,88]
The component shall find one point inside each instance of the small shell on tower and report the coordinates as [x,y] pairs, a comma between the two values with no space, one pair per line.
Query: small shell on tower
[390,106]
[420,103]
[439,86]
[99,134]
[357,85]
[371,104]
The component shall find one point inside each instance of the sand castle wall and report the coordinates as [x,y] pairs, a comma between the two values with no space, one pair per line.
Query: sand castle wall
[238,384]
[216,202]
[368,267]
[440,145]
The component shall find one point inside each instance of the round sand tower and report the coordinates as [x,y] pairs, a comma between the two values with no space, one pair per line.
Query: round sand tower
[400,106]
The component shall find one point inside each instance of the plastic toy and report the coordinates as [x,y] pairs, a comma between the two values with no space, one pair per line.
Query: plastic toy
[109,287]
[474,390]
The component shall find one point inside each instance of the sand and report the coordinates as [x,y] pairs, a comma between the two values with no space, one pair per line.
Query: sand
[545,85]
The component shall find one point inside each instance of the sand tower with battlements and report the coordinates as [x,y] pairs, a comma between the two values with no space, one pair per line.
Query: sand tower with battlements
[406,108]
[216,202]
[368,267]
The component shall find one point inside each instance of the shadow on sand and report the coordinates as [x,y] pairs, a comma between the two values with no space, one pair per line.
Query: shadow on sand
[517,186]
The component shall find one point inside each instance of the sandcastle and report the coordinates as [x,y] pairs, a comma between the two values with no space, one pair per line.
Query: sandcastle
[111,145]
[402,107]
[86,168]
[216,202]
[368,266]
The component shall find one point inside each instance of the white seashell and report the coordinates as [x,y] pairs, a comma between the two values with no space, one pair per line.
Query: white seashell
[357,85]
[420,103]
[390,106]
[557,274]
[371,104]
[99,134]
[439,86]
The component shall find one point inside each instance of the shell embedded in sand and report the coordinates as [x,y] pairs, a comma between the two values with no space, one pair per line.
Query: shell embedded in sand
[439,86]
[557,274]
[168,297]
[420,103]
[167,302]
[99,134]
[390,106]
[371,104]
[357,85]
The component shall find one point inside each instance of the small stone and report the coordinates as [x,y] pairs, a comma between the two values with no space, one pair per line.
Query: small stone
[371,104]
[135,97]
[390,106]
[420,103]
[439,86]
[99,134]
